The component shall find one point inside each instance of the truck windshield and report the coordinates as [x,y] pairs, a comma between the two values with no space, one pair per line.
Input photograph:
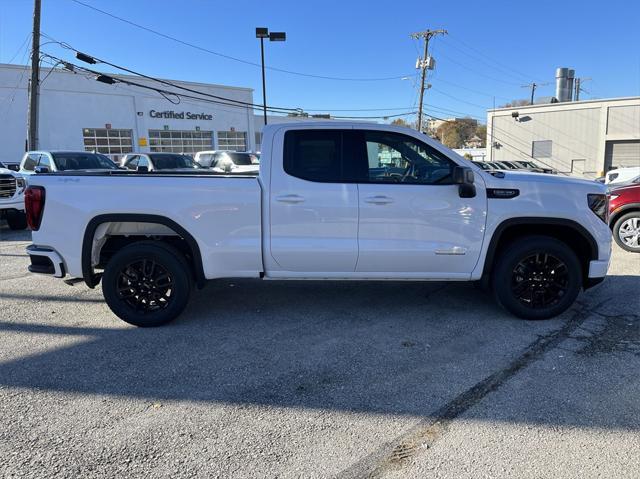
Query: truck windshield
[82,161]
[172,162]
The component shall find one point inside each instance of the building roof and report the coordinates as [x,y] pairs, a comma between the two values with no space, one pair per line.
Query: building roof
[565,103]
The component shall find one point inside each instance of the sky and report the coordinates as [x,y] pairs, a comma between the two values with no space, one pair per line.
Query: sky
[491,50]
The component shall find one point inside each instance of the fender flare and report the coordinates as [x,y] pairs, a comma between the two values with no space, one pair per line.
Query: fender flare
[535,221]
[620,211]
[91,279]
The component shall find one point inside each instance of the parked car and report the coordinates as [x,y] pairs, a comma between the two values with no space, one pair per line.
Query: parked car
[624,216]
[531,166]
[10,166]
[52,161]
[159,162]
[229,161]
[622,175]
[12,187]
[320,210]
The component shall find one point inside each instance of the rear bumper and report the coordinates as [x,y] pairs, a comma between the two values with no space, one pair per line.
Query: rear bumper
[46,261]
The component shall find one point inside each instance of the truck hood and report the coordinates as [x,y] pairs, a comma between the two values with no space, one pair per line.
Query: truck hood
[7,171]
[514,178]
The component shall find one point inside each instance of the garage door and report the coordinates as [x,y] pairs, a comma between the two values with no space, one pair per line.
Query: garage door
[180,141]
[622,153]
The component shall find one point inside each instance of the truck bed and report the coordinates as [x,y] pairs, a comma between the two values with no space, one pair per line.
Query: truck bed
[221,212]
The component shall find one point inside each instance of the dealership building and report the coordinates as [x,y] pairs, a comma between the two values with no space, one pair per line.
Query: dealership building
[76,112]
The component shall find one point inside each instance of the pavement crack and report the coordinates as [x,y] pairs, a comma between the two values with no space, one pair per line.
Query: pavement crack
[396,453]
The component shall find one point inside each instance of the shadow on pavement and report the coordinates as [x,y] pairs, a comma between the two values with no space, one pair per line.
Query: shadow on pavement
[392,348]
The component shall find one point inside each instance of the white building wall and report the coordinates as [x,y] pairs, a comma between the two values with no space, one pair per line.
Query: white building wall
[70,102]
[579,132]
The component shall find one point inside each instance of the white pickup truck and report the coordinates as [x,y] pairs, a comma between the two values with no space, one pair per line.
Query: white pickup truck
[339,201]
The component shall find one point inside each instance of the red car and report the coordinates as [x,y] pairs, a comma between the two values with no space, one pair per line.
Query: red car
[624,216]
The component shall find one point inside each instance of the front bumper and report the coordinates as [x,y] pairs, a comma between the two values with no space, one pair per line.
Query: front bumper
[598,268]
[46,261]
[16,204]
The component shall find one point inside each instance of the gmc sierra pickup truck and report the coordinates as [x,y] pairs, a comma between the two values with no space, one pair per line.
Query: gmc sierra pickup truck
[332,201]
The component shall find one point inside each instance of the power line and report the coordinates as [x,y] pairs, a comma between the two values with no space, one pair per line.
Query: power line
[497,65]
[167,93]
[230,100]
[111,80]
[26,40]
[159,80]
[229,57]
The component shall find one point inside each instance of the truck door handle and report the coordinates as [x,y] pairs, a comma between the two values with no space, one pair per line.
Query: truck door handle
[290,199]
[379,200]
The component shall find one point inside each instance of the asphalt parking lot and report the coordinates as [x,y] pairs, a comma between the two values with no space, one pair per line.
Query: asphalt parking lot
[317,379]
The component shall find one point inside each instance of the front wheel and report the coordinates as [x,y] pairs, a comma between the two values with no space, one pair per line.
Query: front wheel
[147,283]
[626,232]
[537,277]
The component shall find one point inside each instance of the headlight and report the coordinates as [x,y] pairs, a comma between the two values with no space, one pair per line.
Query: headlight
[20,182]
[599,204]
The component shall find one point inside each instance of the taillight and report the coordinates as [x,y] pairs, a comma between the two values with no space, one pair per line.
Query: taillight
[34,206]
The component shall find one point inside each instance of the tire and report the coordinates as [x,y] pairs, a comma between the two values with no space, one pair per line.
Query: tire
[628,224]
[17,220]
[147,283]
[537,277]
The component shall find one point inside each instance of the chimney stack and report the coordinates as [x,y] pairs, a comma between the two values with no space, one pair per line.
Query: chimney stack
[564,84]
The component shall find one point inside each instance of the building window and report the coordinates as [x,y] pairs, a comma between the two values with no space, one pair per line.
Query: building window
[541,149]
[232,140]
[113,142]
[258,140]
[180,141]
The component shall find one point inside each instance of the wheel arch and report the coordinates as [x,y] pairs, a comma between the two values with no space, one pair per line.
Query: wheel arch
[570,232]
[622,210]
[90,277]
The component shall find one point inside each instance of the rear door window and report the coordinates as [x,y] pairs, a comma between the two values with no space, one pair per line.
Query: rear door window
[314,155]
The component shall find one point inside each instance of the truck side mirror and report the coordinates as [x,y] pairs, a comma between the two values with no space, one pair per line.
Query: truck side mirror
[41,169]
[463,176]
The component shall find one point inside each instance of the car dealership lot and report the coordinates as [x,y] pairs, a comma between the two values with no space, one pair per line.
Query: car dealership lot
[317,379]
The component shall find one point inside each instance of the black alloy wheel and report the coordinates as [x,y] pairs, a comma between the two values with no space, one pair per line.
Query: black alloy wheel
[540,280]
[536,277]
[147,283]
[145,286]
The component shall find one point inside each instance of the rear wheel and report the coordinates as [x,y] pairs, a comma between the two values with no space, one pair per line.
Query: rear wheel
[17,220]
[626,232]
[147,283]
[537,278]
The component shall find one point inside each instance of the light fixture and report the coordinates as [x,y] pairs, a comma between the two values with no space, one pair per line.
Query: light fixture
[106,79]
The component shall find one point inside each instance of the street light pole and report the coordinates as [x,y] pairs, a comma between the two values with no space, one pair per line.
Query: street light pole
[264,83]
[263,33]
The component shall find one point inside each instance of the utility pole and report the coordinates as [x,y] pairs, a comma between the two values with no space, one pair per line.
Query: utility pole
[423,63]
[34,85]
[578,87]
[533,86]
